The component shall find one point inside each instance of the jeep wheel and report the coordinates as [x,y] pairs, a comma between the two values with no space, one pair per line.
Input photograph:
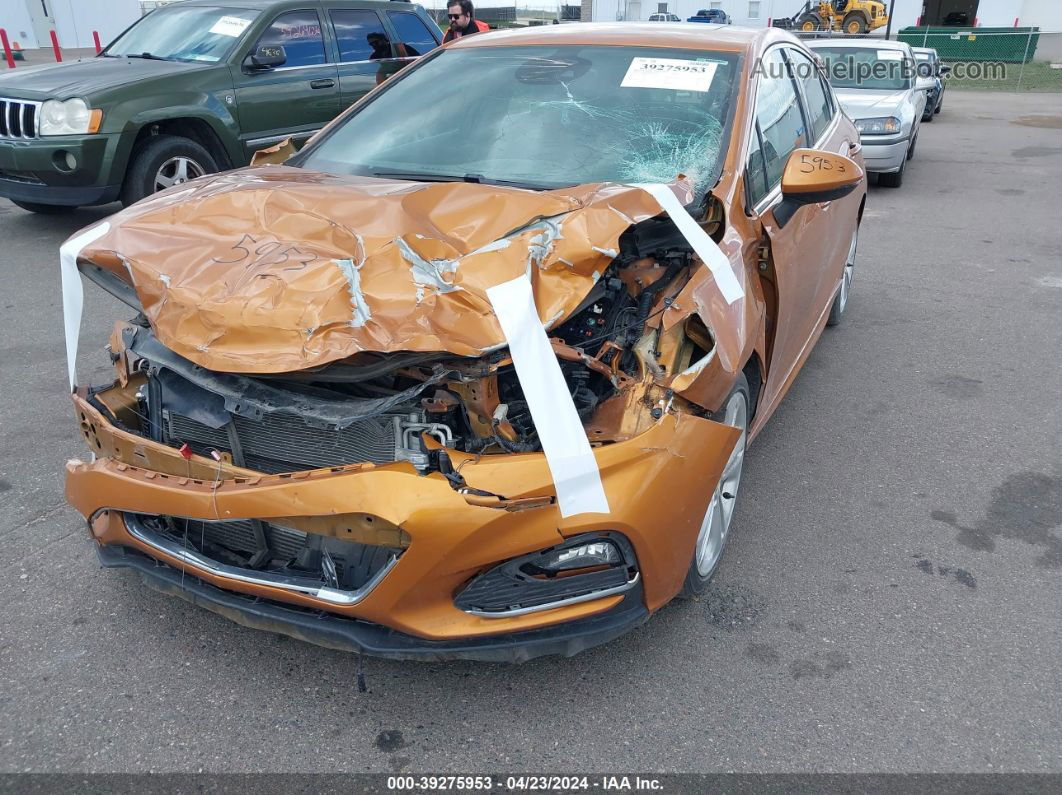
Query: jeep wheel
[165,161]
[44,209]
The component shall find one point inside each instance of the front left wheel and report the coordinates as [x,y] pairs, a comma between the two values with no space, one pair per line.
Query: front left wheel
[165,161]
[715,526]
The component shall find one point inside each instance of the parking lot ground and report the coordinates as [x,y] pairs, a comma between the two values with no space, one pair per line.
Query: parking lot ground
[889,600]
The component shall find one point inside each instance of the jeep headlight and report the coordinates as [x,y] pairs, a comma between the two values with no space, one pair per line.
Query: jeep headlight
[885,125]
[69,117]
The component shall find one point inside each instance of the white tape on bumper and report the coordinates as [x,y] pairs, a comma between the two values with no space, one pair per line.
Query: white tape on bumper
[568,454]
[706,248]
[74,293]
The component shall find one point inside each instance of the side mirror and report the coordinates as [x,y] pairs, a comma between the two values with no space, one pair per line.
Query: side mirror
[267,57]
[944,69]
[812,176]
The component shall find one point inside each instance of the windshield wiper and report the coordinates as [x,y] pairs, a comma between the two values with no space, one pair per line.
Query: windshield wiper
[147,56]
[417,176]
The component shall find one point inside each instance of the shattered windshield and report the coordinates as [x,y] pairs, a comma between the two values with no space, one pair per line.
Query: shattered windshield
[544,117]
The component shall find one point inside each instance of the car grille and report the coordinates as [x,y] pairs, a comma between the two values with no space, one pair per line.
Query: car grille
[284,443]
[18,118]
[281,550]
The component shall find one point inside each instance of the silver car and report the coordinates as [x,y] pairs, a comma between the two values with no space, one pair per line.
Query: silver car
[877,85]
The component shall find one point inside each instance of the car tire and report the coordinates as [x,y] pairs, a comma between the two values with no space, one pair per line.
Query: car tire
[928,118]
[164,161]
[911,148]
[939,105]
[854,24]
[844,289]
[715,526]
[895,179]
[45,209]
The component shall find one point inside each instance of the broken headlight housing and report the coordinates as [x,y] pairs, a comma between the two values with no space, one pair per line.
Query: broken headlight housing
[884,125]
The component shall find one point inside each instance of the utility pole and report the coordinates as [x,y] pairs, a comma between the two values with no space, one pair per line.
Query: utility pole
[888,26]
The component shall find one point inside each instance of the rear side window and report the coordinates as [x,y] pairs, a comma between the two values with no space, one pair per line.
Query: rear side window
[779,116]
[414,38]
[360,35]
[819,110]
[299,33]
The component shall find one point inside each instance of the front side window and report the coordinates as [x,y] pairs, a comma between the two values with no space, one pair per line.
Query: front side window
[819,110]
[779,116]
[179,33]
[414,38]
[299,33]
[755,176]
[545,117]
[361,35]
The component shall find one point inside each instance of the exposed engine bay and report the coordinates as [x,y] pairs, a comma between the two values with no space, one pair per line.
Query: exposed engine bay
[380,408]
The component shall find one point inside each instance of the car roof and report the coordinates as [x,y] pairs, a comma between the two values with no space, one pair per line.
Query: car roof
[675,35]
[295,4]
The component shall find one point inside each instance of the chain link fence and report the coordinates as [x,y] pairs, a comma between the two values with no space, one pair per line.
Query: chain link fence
[986,59]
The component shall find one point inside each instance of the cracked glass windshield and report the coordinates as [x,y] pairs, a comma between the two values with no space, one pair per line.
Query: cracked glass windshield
[543,117]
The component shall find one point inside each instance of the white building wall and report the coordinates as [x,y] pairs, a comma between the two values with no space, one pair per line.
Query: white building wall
[15,19]
[1045,14]
[76,19]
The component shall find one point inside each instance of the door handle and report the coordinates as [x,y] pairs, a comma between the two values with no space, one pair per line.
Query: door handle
[326,83]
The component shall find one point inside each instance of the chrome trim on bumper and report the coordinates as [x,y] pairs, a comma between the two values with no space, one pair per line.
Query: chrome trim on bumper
[589,597]
[303,586]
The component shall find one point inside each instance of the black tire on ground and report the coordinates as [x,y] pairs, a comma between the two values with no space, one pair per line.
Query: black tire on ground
[814,20]
[940,104]
[928,118]
[911,150]
[854,24]
[695,582]
[159,150]
[44,209]
[895,179]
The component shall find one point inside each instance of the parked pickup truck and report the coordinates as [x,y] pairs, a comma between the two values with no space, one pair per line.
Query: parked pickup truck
[716,16]
[192,88]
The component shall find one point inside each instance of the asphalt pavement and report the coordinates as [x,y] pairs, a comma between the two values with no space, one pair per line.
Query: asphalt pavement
[889,601]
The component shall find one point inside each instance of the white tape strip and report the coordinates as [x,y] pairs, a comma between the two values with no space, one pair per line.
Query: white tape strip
[706,248]
[568,454]
[74,293]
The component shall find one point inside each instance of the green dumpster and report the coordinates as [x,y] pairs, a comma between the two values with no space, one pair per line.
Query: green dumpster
[1009,45]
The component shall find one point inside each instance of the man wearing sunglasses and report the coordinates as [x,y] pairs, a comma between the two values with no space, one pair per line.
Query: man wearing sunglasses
[462,20]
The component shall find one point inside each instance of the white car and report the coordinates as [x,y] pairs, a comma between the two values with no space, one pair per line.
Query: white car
[878,87]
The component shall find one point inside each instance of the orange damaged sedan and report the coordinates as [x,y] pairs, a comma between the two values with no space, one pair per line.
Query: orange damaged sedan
[473,374]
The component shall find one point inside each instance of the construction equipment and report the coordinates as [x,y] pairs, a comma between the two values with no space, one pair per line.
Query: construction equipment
[854,17]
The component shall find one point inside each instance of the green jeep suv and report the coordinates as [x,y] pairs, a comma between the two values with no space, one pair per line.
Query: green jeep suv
[191,88]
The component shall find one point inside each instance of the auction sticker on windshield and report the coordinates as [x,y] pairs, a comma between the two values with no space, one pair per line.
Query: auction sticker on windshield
[675,74]
[230,26]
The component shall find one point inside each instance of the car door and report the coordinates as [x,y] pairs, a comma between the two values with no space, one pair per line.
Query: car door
[413,38]
[802,250]
[365,51]
[296,99]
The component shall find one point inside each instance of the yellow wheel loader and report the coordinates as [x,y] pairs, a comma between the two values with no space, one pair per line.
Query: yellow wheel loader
[853,17]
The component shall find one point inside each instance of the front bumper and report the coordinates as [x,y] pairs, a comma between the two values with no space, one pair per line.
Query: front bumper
[34,170]
[886,156]
[363,637]
[656,490]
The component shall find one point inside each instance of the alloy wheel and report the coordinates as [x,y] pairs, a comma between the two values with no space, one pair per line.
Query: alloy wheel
[177,170]
[849,270]
[716,522]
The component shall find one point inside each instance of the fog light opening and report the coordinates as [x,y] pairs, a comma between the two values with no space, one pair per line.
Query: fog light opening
[64,160]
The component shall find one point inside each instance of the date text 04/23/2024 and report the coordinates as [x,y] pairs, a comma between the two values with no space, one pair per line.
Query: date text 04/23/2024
[523,783]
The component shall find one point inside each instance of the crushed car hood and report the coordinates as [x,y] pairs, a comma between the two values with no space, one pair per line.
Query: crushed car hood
[278,269]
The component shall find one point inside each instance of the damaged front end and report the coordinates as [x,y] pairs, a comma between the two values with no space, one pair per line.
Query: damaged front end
[392,492]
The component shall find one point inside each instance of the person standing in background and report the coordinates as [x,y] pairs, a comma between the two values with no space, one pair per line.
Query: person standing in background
[463,20]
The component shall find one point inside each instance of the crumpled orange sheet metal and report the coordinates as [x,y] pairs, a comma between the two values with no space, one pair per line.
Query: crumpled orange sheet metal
[276,269]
